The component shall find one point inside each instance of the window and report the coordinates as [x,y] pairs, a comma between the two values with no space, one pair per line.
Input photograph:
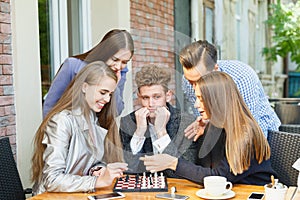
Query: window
[63,32]
[208,14]
[238,29]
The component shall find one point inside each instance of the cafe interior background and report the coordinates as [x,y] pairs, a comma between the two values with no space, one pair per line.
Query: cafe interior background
[37,35]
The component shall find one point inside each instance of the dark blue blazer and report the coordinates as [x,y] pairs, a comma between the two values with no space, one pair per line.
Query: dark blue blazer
[212,162]
[179,146]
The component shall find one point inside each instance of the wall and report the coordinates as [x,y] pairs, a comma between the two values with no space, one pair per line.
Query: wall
[27,81]
[152,28]
[107,15]
[7,94]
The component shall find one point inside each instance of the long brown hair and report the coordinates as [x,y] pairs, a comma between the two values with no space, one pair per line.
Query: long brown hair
[226,109]
[73,98]
[110,44]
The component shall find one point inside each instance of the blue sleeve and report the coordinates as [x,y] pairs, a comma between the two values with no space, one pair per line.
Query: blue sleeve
[189,94]
[120,90]
[67,72]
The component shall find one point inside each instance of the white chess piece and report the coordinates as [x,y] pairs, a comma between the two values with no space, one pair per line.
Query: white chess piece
[144,183]
[162,182]
[173,190]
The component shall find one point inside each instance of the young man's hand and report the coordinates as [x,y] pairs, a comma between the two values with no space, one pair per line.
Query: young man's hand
[162,116]
[141,121]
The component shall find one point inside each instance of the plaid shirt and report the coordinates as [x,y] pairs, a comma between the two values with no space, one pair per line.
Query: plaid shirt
[251,90]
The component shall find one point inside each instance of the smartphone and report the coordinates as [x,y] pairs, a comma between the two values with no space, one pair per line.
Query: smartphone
[256,196]
[171,196]
[113,195]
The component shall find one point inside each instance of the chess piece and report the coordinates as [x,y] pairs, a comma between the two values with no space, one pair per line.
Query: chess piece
[127,178]
[149,182]
[162,179]
[173,190]
[144,182]
[137,177]
[155,174]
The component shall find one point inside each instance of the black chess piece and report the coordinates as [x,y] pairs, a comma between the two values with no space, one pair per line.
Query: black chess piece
[127,178]
[137,177]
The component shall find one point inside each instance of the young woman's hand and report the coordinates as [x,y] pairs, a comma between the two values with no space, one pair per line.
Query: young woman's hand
[196,129]
[118,73]
[109,173]
[159,162]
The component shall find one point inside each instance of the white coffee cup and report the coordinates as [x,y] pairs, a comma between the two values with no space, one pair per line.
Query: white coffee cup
[275,193]
[216,185]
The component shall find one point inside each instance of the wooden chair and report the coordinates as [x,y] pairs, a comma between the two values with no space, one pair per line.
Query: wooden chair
[290,128]
[285,150]
[10,183]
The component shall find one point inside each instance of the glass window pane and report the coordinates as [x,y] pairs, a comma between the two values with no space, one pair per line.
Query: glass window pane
[209,23]
[44,45]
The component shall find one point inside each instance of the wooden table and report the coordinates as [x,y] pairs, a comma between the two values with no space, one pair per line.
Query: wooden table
[183,187]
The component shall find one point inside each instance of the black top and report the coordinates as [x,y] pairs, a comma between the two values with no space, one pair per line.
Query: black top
[212,162]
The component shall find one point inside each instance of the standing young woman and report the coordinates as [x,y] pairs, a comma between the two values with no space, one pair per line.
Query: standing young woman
[233,145]
[72,139]
[115,49]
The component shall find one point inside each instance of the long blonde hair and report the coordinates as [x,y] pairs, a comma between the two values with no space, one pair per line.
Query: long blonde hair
[74,98]
[226,109]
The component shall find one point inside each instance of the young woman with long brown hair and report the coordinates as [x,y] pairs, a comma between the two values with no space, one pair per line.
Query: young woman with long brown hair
[115,49]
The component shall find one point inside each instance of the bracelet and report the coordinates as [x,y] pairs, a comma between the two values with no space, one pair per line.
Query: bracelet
[94,169]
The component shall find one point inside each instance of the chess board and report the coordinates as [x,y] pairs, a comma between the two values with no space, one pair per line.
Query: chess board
[146,182]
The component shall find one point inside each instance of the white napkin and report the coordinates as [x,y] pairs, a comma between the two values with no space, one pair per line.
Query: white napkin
[296,165]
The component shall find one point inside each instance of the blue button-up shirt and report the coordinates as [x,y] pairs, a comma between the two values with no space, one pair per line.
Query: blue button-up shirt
[251,90]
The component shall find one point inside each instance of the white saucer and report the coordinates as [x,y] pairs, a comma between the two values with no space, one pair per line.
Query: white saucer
[201,193]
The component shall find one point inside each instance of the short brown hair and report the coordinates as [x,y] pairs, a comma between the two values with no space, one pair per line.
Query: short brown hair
[199,52]
[153,75]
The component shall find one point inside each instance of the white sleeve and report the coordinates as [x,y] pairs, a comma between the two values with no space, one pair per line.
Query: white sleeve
[136,143]
[161,143]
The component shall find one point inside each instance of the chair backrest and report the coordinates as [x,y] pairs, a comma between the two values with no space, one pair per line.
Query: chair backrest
[290,128]
[285,150]
[10,183]
[288,113]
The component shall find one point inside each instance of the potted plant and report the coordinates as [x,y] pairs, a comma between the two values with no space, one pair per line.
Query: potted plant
[284,23]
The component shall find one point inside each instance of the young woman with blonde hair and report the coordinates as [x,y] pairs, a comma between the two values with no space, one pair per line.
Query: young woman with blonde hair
[78,134]
[233,144]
